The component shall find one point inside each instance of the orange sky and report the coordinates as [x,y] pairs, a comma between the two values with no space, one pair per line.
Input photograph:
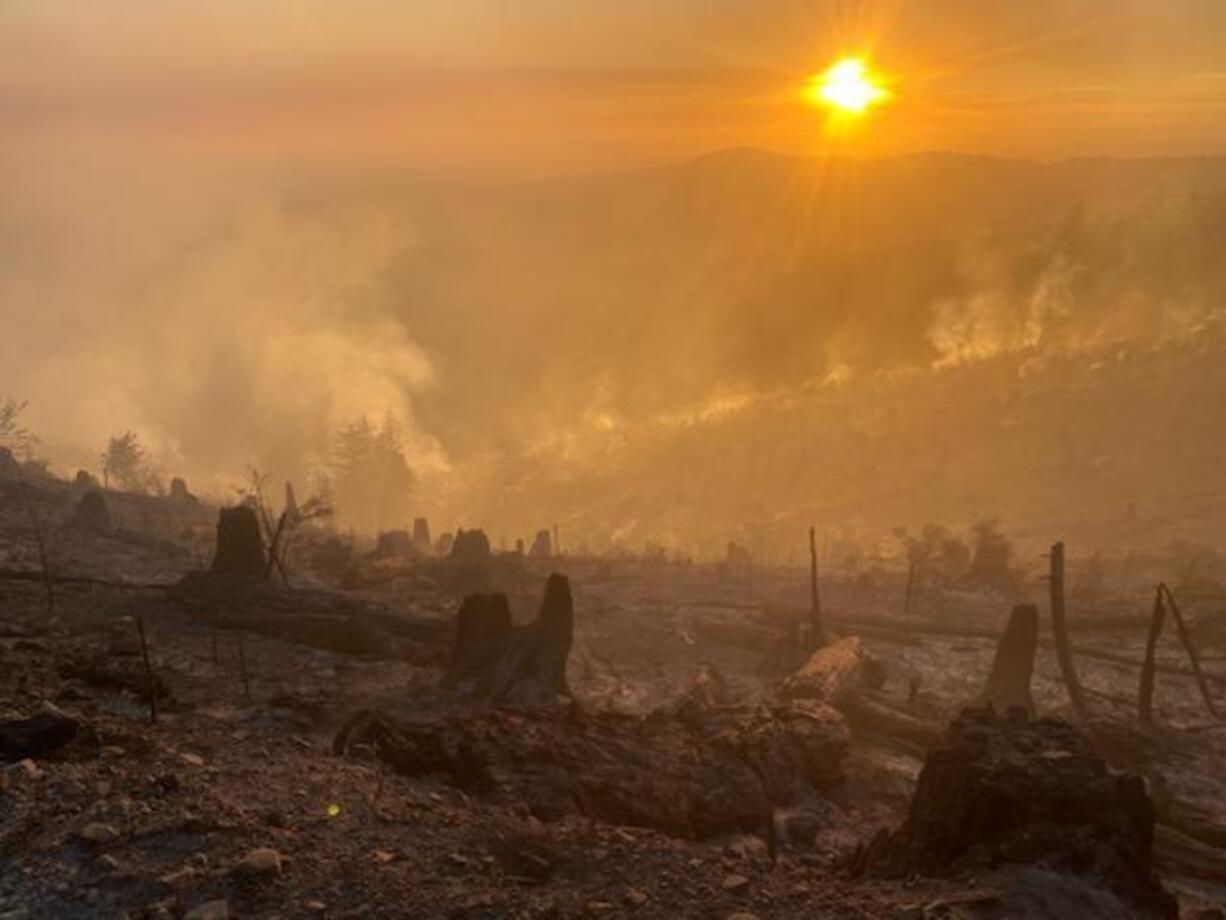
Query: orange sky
[544,86]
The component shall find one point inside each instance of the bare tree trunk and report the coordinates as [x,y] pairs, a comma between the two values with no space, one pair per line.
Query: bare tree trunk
[815,598]
[1059,628]
[1145,696]
[150,683]
[1186,639]
[242,668]
[906,600]
[40,541]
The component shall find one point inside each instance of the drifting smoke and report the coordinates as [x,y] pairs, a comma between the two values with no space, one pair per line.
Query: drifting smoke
[722,347]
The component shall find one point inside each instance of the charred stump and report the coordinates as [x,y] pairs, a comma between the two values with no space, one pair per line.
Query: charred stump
[1008,685]
[542,545]
[483,626]
[394,544]
[421,535]
[506,664]
[240,546]
[1010,791]
[92,513]
[179,493]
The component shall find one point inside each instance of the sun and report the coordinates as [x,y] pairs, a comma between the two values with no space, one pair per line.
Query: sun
[848,86]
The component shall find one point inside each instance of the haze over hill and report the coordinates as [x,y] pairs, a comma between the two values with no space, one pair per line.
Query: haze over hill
[724,347]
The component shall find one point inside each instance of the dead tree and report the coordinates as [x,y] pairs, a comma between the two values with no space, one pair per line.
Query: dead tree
[1059,628]
[1186,638]
[912,565]
[1145,695]
[150,683]
[815,599]
[1008,685]
[37,525]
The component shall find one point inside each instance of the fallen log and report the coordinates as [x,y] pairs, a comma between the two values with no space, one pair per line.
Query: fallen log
[689,771]
[321,619]
[23,575]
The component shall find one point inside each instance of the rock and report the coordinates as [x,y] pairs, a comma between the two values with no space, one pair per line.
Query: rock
[742,915]
[800,827]
[1019,792]
[210,910]
[107,863]
[180,878]
[191,760]
[98,833]
[257,863]
[42,734]
[637,897]
[29,769]
[734,883]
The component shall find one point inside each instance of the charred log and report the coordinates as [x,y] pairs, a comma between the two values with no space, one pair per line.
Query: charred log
[321,619]
[706,774]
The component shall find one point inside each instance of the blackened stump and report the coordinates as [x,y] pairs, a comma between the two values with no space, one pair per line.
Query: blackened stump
[240,547]
[1008,685]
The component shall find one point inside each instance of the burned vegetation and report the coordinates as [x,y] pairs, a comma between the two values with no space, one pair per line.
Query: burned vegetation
[241,711]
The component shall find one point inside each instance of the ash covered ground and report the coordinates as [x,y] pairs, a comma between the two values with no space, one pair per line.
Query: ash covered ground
[316,752]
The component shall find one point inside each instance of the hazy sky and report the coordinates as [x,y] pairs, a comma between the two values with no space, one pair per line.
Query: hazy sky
[539,86]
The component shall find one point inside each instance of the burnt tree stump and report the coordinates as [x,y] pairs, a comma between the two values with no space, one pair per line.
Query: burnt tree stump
[507,664]
[91,513]
[482,628]
[1008,685]
[240,546]
[542,545]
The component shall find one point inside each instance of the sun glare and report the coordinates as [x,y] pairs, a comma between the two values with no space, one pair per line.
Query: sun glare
[848,86]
